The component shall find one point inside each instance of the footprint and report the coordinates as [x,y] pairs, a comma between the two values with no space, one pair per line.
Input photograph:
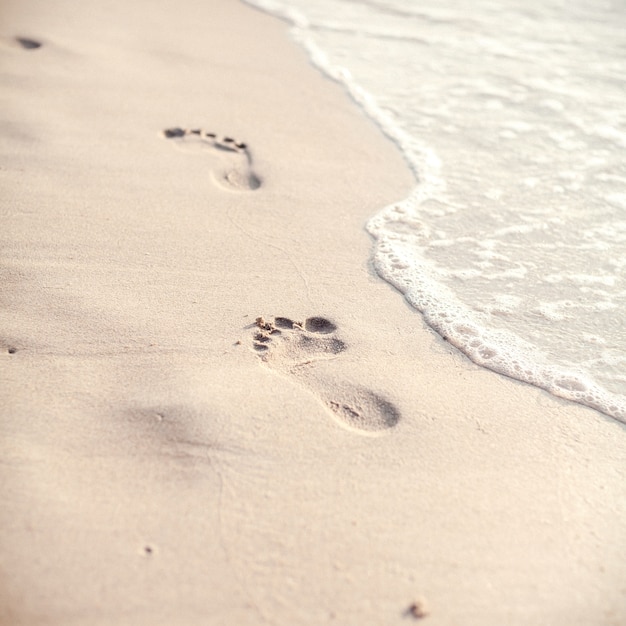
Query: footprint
[293,348]
[234,170]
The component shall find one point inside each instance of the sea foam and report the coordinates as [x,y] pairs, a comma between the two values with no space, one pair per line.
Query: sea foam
[511,116]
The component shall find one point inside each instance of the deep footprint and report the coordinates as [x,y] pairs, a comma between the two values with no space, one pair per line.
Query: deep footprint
[293,348]
[234,170]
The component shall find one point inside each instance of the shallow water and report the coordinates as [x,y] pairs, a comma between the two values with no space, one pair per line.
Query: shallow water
[512,115]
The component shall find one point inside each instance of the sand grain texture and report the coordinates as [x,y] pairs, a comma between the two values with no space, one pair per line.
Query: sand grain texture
[157,468]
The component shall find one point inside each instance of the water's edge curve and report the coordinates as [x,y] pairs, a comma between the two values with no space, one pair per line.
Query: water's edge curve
[496,349]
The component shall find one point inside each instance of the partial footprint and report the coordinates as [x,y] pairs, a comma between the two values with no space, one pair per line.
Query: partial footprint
[294,348]
[234,169]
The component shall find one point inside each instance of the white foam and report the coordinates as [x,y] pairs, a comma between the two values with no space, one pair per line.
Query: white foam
[513,242]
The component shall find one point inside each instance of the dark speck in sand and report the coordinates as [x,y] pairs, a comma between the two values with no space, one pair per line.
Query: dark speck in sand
[28,44]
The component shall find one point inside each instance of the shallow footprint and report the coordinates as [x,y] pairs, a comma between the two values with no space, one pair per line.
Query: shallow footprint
[294,348]
[234,170]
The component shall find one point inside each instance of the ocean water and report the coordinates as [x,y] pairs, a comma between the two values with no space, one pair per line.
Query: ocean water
[512,116]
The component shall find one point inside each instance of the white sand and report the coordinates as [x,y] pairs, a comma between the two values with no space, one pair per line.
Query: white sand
[156,468]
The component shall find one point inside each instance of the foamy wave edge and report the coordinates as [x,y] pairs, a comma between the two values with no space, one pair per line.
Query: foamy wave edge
[497,350]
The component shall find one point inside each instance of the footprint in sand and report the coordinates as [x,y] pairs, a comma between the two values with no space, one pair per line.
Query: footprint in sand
[234,170]
[293,348]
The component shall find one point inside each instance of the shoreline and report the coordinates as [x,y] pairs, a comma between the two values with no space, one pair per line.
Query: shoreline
[510,355]
[159,466]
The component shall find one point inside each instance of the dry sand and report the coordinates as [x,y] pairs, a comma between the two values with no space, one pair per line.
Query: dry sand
[158,467]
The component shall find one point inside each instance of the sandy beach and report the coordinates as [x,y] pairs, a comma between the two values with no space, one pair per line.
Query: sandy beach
[214,411]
